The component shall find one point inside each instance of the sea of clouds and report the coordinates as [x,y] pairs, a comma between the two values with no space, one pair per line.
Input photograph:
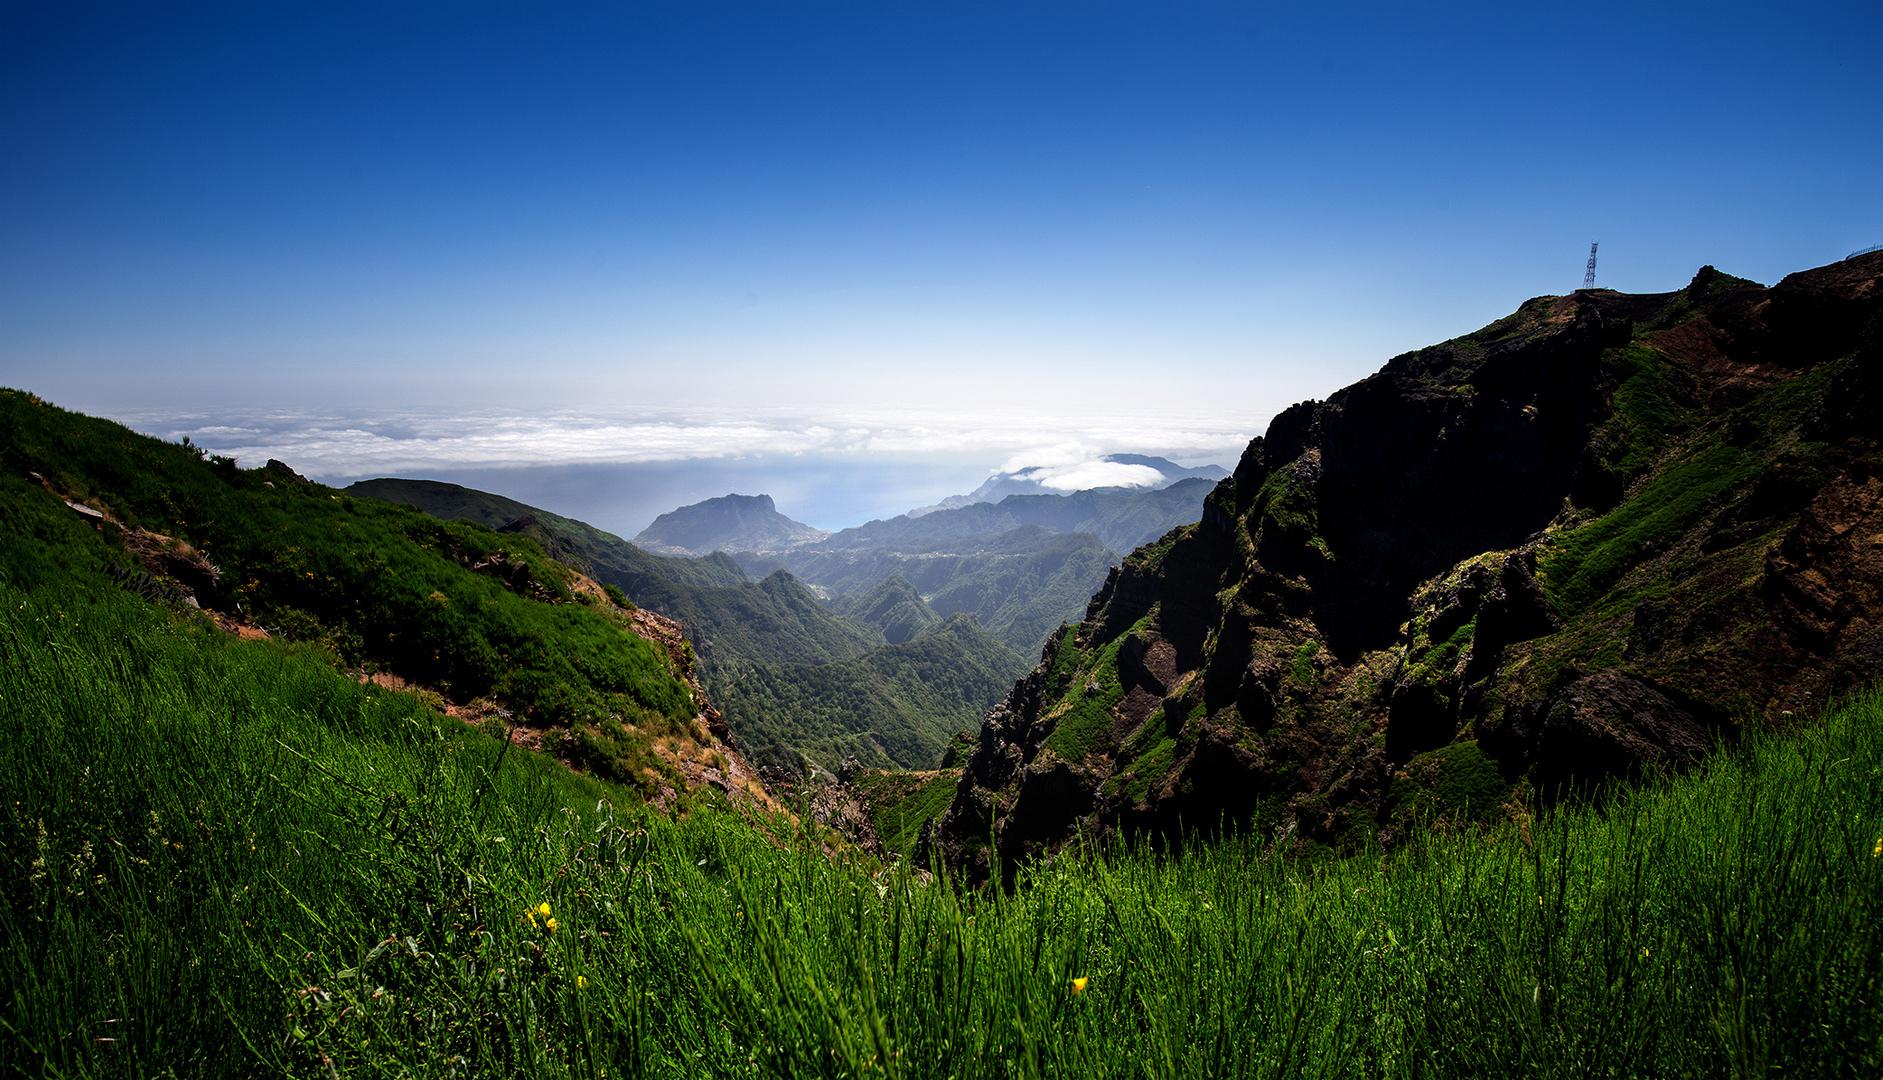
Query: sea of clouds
[1061,453]
[619,471]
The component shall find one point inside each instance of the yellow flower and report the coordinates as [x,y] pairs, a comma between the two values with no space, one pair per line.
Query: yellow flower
[581,983]
[1878,849]
[551,924]
[543,909]
[1078,985]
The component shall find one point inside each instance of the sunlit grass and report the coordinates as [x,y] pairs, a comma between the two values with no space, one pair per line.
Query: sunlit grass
[224,858]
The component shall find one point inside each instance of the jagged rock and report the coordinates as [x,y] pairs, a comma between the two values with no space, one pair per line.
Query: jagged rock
[1593,537]
[174,559]
[279,470]
[827,801]
[1613,725]
[960,745]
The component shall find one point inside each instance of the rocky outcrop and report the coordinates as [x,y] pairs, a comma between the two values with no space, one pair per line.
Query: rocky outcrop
[279,470]
[831,801]
[1609,725]
[728,523]
[1587,541]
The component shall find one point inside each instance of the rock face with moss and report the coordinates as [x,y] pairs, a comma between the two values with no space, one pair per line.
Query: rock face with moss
[1590,539]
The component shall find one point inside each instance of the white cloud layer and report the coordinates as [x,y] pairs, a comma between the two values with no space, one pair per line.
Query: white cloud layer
[1092,474]
[1062,451]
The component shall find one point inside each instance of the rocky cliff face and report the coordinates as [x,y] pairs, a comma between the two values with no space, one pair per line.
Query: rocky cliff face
[1591,538]
[728,523]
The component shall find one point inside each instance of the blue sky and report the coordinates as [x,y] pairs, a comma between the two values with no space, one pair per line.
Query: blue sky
[872,238]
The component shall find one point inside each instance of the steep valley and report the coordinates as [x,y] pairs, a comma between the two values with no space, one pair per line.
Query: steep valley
[790,674]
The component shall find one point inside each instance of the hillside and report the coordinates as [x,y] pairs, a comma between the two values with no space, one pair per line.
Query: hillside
[1020,584]
[602,555]
[893,608]
[728,523]
[1021,566]
[1121,518]
[1586,541]
[493,630]
[727,617]
[229,856]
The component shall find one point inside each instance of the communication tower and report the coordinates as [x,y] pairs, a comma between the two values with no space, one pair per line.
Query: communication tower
[1588,276]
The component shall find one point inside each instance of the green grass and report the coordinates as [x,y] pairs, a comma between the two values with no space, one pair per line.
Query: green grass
[900,802]
[1586,563]
[1301,668]
[1149,768]
[451,605]
[1085,710]
[224,858]
[1458,782]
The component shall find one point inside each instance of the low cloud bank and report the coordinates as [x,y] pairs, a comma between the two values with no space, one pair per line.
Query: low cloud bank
[1094,474]
[1059,453]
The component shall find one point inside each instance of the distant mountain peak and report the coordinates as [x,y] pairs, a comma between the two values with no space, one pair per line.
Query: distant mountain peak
[727,523]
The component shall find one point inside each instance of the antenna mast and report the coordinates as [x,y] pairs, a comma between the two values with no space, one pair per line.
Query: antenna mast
[1588,276]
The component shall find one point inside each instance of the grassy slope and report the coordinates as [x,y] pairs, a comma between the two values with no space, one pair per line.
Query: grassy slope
[450,605]
[222,857]
[900,802]
[612,559]
[775,620]
[731,619]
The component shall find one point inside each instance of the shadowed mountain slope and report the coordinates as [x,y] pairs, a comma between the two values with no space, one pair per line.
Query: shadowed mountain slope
[1122,518]
[894,608]
[1588,540]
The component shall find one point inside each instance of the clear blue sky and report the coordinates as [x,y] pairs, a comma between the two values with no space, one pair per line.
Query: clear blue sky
[900,223]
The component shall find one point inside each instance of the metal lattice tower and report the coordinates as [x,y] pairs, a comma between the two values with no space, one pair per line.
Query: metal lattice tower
[1588,276]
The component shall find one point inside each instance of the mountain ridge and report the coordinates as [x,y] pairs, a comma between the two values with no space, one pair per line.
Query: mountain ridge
[1121,517]
[1582,542]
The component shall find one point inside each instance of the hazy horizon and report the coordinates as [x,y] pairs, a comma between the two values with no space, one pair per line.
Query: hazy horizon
[619,473]
[616,258]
